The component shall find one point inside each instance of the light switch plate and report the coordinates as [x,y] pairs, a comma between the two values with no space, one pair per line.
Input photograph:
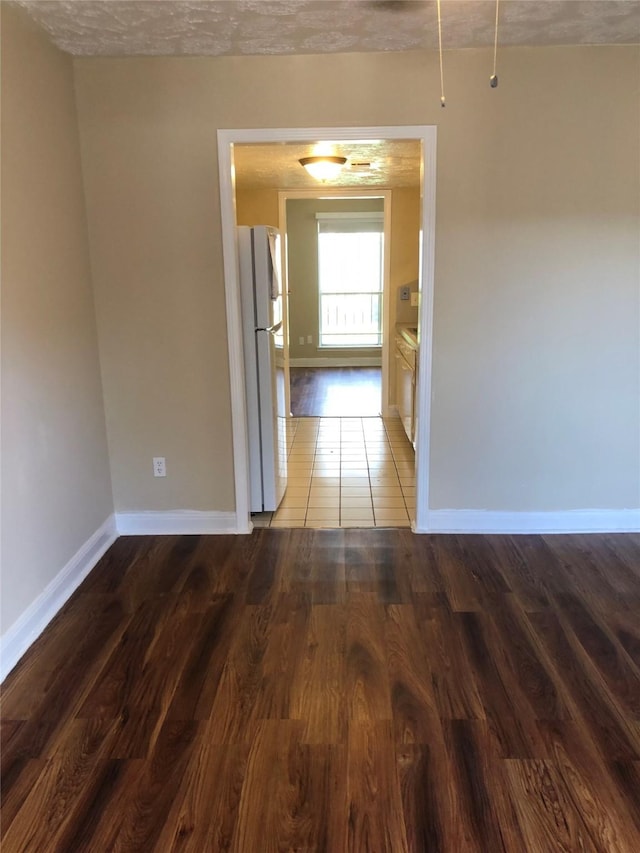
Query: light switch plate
[415,299]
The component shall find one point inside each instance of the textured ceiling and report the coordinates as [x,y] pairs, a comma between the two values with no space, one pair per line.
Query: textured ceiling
[393,163]
[243,27]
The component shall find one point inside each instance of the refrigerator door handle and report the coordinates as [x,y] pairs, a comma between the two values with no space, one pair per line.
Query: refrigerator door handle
[273,330]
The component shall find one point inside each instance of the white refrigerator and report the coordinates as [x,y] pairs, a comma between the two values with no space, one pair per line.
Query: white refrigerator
[263,342]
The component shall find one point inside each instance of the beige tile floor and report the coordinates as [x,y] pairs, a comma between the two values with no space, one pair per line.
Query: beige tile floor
[346,472]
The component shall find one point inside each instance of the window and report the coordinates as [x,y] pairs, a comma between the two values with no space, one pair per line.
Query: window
[350,249]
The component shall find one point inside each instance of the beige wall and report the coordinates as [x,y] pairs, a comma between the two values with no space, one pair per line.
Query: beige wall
[257,207]
[405,242]
[535,402]
[536,362]
[56,490]
[404,262]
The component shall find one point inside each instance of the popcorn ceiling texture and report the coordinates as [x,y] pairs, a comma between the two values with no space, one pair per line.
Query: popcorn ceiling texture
[244,27]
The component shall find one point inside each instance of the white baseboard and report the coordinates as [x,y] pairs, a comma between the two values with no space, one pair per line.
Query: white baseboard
[355,361]
[176,522]
[570,521]
[39,613]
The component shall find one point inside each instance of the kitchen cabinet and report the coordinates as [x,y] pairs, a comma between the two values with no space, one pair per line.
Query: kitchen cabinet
[405,360]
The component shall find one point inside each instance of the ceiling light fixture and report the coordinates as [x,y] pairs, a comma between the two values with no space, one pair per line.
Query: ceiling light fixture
[323,168]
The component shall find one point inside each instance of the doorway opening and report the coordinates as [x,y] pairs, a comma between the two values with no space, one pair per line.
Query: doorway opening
[228,141]
[336,270]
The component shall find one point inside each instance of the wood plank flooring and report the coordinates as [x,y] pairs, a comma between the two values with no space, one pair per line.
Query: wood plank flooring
[340,690]
[335,392]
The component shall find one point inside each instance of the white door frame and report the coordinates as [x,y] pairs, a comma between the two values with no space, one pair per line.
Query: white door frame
[426,135]
[385,195]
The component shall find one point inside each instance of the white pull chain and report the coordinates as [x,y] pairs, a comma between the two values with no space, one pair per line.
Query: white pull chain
[493,80]
[442,98]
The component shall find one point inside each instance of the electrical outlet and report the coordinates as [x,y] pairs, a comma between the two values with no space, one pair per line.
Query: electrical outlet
[309,339]
[415,299]
[405,293]
[159,466]
[301,340]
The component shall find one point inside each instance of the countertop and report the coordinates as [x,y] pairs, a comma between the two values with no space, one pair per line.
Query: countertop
[409,333]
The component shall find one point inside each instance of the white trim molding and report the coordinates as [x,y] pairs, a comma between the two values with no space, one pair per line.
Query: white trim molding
[567,521]
[177,522]
[347,361]
[28,627]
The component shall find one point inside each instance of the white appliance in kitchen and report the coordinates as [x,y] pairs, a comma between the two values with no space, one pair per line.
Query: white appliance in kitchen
[263,342]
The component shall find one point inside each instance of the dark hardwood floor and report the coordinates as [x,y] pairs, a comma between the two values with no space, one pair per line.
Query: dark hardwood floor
[335,392]
[340,690]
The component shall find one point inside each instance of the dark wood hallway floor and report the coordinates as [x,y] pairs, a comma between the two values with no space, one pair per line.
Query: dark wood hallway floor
[343,690]
[335,392]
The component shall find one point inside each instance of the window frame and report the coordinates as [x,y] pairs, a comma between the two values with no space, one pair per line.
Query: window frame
[373,218]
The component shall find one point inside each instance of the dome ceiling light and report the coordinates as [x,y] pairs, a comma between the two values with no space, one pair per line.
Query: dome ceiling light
[324,167]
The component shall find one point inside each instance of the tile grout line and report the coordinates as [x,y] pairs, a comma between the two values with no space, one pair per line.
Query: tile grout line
[395,465]
[373,509]
[313,463]
[366,457]
[393,458]
[340,481]
[291,449]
